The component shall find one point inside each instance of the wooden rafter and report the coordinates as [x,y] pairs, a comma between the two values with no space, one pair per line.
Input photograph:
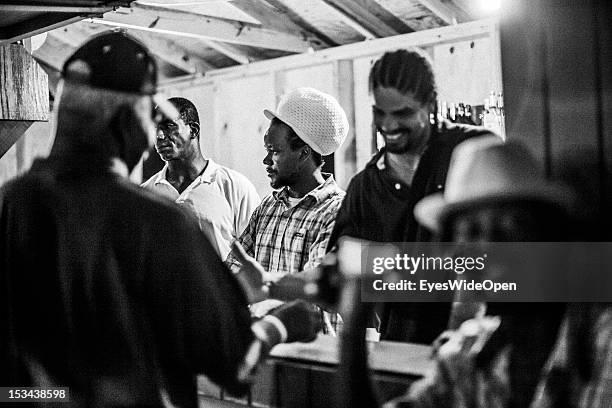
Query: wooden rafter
[350,21]
[162,48]
[446,10]
[275,18]
[291,14]
[222,48]
[176,22]
[364,16]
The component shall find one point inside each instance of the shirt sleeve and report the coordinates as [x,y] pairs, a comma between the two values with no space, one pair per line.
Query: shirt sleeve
[247,240]
[344,224]
[248,201]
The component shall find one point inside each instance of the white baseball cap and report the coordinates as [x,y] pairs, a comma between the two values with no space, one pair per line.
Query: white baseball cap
[316,117]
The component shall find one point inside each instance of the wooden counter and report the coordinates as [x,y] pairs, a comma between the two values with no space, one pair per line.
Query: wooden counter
[302,374]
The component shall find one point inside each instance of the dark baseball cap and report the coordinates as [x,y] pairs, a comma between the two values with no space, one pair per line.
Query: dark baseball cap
[117,61]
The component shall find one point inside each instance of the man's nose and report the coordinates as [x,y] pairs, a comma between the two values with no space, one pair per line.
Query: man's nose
[267,160]
[389,125]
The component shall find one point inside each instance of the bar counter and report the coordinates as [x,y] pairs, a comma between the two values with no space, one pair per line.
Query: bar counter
[301,375]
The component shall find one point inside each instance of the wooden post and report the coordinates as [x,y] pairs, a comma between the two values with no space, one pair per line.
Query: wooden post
[24,94]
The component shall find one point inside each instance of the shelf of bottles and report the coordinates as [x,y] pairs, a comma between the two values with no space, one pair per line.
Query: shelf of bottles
[489,115]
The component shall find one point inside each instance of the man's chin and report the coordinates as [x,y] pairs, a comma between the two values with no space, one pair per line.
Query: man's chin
[276,184]
[165,157]
[401,148]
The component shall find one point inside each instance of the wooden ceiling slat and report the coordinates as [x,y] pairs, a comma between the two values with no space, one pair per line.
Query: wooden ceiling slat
[413,14]
[296,17]
[70,38]
[446,10]
[328,20]
[276,18]
[162,19]
[363,16]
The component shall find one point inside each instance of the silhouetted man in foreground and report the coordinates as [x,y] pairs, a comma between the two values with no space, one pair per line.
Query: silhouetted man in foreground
[105,288]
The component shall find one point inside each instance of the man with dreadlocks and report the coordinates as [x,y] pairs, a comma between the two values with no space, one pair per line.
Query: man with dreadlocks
[380,199]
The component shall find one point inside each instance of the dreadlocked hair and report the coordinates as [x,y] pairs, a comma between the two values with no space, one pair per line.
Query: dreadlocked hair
[407,71]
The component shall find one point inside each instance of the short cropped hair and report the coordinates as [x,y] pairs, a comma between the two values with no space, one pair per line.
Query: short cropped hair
[187,110]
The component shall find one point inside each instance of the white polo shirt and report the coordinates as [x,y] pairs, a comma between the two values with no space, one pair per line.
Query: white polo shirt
[221,199]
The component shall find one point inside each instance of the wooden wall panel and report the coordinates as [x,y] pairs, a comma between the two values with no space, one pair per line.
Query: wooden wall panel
[345,156]
[572,78]
[603,15]
[558,88]
[525,77]
[364,130]
[239,125]
[465,70]
[321,77]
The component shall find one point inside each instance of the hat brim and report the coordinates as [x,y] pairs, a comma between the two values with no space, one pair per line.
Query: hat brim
[433,210]
[271,115]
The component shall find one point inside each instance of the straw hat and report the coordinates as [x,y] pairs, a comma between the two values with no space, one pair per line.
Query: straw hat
[486,170]
[316,117]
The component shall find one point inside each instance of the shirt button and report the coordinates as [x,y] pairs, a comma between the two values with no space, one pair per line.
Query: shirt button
[397,186]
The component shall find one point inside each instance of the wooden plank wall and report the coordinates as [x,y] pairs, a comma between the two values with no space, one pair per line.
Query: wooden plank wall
[558,87]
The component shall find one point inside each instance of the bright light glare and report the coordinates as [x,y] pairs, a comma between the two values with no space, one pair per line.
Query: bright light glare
[490,5]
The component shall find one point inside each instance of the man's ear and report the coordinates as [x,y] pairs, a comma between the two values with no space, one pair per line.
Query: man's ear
[305,152]
[195,129]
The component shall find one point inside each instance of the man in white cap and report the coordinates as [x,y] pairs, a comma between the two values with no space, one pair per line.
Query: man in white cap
[290,229]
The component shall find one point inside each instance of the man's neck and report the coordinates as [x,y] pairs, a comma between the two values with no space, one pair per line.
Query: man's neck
[186,168]
[181,173]
[403,166]
[306,184]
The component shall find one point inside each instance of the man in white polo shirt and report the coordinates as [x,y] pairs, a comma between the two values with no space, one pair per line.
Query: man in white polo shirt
[221,199]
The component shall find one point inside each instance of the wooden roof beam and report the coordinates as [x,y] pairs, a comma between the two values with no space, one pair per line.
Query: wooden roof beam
[37,25]
[177,22]
[348,19]
[363,17]
[161,48]
[221,48]
[293,16]
[446,10]
[277,18]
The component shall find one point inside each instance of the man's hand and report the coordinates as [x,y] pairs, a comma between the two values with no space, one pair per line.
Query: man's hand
[301,320]
[251,275]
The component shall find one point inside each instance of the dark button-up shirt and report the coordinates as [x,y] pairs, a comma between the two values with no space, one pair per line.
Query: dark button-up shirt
[378,207]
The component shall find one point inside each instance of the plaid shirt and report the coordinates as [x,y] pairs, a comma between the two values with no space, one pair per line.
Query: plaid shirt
[287,240]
